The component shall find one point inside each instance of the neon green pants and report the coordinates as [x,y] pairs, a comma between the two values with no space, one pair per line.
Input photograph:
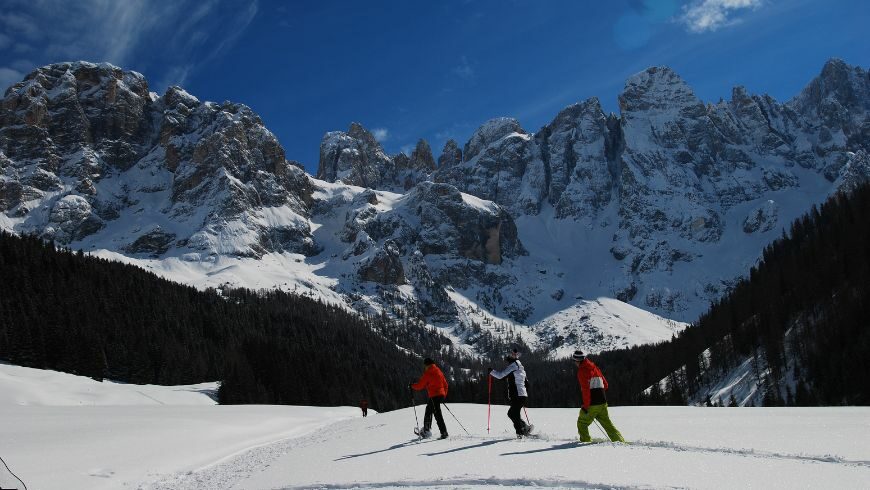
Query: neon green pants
[599,413]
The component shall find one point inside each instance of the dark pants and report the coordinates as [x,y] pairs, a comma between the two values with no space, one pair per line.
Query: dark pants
[514,413]
[434,407]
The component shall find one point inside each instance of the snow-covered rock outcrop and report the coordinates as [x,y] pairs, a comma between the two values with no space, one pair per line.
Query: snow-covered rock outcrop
[91,156]
[662,206]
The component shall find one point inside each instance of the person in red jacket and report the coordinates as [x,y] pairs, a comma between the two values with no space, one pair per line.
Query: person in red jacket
[594,406]
[435,384]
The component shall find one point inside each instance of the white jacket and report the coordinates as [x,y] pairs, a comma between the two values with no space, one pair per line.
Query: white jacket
[519,372]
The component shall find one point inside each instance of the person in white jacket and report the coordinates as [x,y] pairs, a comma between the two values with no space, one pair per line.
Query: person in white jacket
[517,393]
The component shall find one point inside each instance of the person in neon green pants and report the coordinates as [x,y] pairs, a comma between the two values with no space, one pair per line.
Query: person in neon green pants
[594,404]
[597,412]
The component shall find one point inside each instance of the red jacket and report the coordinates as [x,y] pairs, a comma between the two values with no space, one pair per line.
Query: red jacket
[592,384]
[433,381]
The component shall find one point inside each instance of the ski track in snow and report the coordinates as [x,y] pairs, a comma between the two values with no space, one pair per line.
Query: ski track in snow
[60,431]
[828,458]
[238,468]
[455,483]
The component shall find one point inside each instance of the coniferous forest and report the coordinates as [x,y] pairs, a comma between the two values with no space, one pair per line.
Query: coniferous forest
[802,312]
[84,315]
[802,316]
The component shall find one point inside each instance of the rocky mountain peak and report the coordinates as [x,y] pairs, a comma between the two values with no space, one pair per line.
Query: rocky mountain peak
[575,112]
[87,144]
[359,132]
[355,158]
[450,155]
[490,132]
[657,89]
[839,88]
[662,206]
[176,95]
[421,157]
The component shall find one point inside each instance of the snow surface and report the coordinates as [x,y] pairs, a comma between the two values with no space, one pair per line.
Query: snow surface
[38,387]
[100,445]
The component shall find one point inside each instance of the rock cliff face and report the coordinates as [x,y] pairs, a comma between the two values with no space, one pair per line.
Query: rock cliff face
[88,153]
[672,181]
[663,206]
[356,158]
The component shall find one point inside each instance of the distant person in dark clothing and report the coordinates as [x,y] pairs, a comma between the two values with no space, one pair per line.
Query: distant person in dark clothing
[364,406]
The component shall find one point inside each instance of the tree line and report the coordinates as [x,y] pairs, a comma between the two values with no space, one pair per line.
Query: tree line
[85,315]
[801,315]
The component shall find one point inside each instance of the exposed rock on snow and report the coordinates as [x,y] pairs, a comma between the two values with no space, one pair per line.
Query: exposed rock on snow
[209,174]
[661,206]
[761,218]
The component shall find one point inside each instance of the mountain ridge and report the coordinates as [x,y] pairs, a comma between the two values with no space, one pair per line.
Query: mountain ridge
[662,207]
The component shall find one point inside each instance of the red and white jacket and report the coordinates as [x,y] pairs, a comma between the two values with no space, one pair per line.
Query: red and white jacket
[592,384]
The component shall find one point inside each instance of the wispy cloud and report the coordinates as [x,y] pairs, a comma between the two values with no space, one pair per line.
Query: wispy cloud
[464,69]
[709,15]
[20,24]
[170,38]
[8,77]
[381,134]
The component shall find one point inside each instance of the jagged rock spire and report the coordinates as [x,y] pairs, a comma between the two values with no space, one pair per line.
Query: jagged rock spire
[450,155]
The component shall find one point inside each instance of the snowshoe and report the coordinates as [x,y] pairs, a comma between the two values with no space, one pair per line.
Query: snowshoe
[423,433]
[443,436]
[527,431]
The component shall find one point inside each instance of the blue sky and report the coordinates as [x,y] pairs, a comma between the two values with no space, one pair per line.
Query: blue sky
[434,69]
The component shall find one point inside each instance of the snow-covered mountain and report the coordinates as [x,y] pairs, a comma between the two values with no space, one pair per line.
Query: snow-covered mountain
[88,154]
[535,234]
[667,204]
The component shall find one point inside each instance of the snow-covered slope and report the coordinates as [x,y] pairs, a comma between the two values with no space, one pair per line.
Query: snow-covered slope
[662,207]
[164,440]
[38,387]
[157,447]
[68,432]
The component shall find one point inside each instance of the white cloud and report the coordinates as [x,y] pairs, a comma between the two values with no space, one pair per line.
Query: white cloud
[23,65]
[381,134]
[21,24]
[170,38]
[710,15]
[464,69]
[176,76]
[8,77]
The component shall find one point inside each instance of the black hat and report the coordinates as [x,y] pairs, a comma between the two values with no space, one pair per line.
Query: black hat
[428,361]
[578,355]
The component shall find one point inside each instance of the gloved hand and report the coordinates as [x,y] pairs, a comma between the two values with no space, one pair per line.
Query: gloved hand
[488,370]
[411,386]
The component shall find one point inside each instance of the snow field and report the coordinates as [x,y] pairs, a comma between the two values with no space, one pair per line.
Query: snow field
[87,440]
[672,447]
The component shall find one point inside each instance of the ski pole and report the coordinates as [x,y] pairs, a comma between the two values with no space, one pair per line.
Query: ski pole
[416,420]
[454,416]
[527,415]
[488,402]
[602,430]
